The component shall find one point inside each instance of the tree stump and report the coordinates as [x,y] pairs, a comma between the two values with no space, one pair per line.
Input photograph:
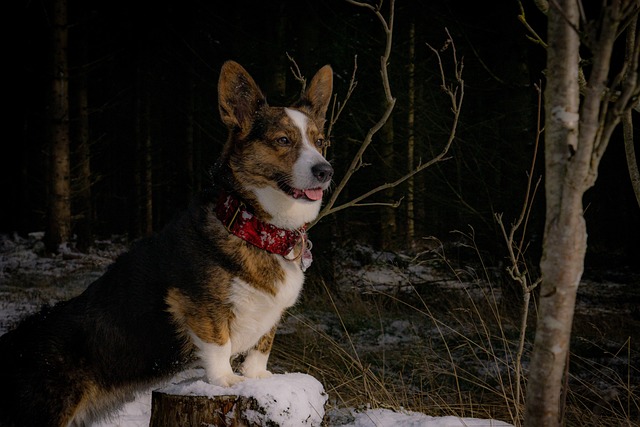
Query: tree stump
[172,410]
[279,401]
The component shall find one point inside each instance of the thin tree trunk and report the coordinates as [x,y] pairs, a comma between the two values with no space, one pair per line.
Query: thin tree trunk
[411,135]
[142,191]
[279,80]
[189,137]
[388,225]
[627,120]
[630,152]
[576,136]
[147,168]
[59,194]
[135,229]
[84,229]
[565,243]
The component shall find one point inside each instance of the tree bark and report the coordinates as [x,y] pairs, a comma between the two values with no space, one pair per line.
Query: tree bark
[627,120]
[83,225]
[59,194]
[630,153]
[289,399]
[564,244]
[189,150]
[388,224]
[411,135]
[143,190]
[576,136]
[170,410]
[147,170]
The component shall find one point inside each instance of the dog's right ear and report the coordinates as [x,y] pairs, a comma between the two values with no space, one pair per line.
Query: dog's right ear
[239,97]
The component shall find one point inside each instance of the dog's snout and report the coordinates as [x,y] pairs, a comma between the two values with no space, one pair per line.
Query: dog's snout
[322,171]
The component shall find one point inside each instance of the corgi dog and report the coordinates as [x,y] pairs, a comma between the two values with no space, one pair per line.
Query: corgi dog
[212,285]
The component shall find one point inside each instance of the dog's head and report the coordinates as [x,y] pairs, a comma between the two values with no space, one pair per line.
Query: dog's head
[273,158]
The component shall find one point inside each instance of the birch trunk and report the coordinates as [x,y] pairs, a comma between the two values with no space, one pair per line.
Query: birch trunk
[576,136]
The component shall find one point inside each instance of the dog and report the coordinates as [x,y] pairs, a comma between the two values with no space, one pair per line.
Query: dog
[211,285]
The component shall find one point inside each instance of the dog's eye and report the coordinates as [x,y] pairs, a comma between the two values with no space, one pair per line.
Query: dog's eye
[320,143]
[283,140]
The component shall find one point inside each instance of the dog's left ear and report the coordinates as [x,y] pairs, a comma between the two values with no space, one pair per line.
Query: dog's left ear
[316,98]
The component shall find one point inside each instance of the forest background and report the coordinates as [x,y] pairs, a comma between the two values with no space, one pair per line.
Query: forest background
[149,72]
[143,131]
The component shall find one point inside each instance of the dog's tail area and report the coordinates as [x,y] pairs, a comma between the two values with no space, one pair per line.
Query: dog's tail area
[35,388]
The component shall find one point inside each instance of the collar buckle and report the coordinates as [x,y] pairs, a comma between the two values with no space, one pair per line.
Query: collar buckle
[239,208]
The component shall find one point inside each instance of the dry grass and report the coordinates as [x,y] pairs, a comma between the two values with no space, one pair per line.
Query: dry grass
[461,360]
[447,347]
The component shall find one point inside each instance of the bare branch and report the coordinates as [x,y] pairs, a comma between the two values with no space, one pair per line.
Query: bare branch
[516,252]
[297,74]
[456,95]
[384,60]
[612,106]
[633,44]
[337,107]
[534,37]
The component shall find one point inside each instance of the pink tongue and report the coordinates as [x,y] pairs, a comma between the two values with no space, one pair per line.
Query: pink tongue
[313,193]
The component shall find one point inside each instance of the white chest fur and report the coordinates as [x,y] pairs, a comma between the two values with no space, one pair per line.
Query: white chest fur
[256,312]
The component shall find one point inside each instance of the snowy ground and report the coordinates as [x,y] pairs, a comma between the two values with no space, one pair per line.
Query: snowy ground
[27,280]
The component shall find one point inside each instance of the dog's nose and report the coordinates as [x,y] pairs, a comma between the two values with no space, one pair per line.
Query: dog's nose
[322,171]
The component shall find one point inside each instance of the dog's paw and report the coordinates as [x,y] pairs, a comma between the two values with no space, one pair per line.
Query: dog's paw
[261,373]
[226,380]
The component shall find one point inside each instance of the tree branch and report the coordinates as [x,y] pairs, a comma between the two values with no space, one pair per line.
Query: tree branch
[633,44]
[384,61]
[337,107]
[456,95]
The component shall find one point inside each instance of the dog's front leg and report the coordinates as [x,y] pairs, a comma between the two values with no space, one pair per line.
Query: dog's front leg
[216,360]
[255,362]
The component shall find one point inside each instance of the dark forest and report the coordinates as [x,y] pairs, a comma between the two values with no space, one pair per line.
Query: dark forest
[417,297]
[151,71]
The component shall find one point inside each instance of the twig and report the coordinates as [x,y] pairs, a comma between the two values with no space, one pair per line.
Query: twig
[456,95]
[384,62]
[337,106]
[297,74]
[516,253]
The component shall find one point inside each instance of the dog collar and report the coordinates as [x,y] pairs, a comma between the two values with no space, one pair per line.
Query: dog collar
[241,222]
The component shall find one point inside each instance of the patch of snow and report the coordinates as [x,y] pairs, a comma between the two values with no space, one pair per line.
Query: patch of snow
[293,399]
[290,400]
[388,418]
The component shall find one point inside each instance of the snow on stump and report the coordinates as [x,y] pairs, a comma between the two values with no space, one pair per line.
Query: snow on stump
[285,400]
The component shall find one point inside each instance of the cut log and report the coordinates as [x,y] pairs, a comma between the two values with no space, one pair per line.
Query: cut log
[172,410]
[279,401]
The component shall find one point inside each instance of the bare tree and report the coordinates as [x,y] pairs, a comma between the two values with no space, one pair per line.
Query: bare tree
[577,132]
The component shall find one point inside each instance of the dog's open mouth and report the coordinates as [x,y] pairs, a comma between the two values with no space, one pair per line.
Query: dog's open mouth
[311,194]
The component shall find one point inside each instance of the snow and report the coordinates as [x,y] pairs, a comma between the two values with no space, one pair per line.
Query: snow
[387,417]
[290,399]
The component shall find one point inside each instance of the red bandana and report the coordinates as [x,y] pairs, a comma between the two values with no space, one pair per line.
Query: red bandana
[238,220]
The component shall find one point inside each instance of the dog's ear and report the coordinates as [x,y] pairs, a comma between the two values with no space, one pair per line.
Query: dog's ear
[239,97]
[316,98]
